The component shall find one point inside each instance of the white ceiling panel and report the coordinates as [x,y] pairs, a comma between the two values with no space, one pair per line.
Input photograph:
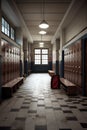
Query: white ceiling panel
[32,10]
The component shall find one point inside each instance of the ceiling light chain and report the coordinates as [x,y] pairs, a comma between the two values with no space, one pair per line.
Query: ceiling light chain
[43,7]
[43,24]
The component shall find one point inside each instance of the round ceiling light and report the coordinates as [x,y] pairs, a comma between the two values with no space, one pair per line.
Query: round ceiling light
[42,32]
[44,24]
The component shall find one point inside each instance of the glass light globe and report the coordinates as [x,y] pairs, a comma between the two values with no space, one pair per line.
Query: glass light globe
[44,24]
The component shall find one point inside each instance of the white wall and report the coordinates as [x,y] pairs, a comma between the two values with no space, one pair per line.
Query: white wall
[54,53]
[78,23]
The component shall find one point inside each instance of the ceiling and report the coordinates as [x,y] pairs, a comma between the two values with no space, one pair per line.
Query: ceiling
[31,10]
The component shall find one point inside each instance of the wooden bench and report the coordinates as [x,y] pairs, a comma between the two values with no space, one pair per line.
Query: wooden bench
[71,88]
[51,72]
[9,88]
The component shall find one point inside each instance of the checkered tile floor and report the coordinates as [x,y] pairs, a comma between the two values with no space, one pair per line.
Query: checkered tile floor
[35,106]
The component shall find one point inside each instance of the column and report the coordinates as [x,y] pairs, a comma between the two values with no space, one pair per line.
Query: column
[57,55]
[19,40]
[54,57]
[61,53]
[25,50]
[0,55]
[29,57]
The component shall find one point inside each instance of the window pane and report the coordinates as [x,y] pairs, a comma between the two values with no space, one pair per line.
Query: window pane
[44,61]
[12,36]
[6,24]
[12,33]
[44,57]
[5,27]
[37,51]
[6,31]
[44,51]
[37,57]
[3,21]
[2,28]
[37,62]
[3,24]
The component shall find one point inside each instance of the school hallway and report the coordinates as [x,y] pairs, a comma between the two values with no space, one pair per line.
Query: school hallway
[35,106]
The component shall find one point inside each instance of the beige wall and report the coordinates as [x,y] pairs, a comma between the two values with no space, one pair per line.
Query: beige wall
[78,23]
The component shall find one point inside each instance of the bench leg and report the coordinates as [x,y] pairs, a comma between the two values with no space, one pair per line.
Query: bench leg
[71,91]
[7,92]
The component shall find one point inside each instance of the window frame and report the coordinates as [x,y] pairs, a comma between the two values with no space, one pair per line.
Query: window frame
[41,60]
[6,28]
[39,54]
[12,33]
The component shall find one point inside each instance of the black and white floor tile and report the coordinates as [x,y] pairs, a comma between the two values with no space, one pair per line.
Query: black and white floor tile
[35,106]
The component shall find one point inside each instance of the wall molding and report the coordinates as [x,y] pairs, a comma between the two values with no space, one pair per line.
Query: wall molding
[76,37]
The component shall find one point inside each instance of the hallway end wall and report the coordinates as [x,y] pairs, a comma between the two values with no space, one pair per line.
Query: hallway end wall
[41,68]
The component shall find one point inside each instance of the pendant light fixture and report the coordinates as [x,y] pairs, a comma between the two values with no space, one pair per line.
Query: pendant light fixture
[43,23]
[42,32]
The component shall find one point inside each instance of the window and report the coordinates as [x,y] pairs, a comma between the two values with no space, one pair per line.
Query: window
[37,56]
[41,56]
[12,33]
[7,29]
[3,24]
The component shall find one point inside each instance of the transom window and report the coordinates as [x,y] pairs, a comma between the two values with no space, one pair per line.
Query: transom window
[41,56]
[12,33]
[7,29]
